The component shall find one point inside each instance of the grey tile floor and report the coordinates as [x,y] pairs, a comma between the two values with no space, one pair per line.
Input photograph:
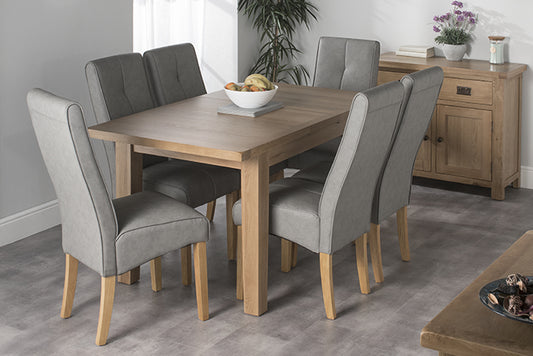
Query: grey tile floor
[454,235]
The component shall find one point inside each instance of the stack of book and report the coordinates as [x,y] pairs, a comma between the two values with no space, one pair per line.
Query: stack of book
[416,51]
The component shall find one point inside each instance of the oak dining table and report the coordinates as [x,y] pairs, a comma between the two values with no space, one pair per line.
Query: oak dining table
[192,130]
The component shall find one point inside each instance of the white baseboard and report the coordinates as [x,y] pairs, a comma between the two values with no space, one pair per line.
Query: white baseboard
[28,222]
[526,177]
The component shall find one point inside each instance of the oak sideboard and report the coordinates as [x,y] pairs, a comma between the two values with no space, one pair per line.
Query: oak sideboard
[474,136]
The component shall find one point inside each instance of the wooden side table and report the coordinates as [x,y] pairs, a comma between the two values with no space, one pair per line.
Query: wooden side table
[467,327]
[474,137]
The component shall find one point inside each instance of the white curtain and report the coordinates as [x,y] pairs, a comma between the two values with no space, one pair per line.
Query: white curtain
[210,25]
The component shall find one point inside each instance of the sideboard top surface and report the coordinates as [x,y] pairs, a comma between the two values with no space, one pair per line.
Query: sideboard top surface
[390,61]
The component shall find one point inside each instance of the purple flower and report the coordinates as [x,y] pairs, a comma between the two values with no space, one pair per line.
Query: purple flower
[458,12]
[447,16]
[436,29]
[468,13]
[472,20]
[437,19]
[460,18]
[458,4]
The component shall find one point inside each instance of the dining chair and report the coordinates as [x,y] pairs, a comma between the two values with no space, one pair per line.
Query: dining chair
[174,75]
[109,236]
[341,63]
[326,217]
[394,189]
[119,86]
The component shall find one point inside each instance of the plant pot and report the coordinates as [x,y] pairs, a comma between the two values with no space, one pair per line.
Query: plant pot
[454,52]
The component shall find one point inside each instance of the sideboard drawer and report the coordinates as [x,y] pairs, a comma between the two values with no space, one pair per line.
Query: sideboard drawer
[466,90]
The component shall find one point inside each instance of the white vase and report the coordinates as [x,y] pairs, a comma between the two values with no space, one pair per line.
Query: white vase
[454,52]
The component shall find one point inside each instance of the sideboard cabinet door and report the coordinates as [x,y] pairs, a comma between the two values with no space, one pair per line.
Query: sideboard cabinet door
[463,142]
[424,158]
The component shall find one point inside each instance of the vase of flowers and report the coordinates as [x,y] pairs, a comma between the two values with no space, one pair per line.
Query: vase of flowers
[454,31]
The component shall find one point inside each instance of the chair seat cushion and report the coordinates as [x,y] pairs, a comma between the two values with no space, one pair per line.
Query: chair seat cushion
[316,173]
[293,211]
[191,183]
[151,224]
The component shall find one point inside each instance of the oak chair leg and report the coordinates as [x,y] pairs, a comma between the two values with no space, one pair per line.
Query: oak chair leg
[326,277]
[294,257]
[231,198]
[374,241]
[186,266]
[106,308]
[211,210]
[69,289]
[276,176]
[200,276]
[401,220]
[286,255]
[131,276]
[239,277]
[361,254]
[155,274]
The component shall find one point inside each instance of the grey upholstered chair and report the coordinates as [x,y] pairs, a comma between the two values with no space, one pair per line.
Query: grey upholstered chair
[341,63]
[326,217]
[175,75]
[119,86]
[394,189]
[109,236]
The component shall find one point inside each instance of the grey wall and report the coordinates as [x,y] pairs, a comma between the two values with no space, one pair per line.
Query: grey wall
[248,46]
[46,44]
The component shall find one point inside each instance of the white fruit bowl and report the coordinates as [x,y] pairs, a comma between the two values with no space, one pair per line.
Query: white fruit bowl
[251,99]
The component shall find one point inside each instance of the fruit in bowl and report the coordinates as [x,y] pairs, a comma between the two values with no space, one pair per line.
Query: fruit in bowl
[256,91]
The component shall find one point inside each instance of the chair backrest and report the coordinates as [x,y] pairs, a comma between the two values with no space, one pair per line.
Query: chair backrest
[344,63]
[394,188]
[346,202]
[119,86]
[88,219]
[174,73]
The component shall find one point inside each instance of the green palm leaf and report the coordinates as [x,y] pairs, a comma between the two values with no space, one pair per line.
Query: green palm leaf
[277,21]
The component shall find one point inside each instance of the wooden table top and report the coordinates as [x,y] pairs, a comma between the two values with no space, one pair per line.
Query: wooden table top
[193,126]
[467,327]
[390,61]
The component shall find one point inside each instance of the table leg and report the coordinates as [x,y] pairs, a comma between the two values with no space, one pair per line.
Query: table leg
[254,190]
[128,176]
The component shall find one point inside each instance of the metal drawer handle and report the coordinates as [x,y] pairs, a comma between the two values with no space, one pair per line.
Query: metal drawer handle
[426,137]
[440,139]
[464,91]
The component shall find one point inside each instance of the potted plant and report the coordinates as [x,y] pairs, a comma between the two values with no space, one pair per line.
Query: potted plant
[276,21]
[455,31]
